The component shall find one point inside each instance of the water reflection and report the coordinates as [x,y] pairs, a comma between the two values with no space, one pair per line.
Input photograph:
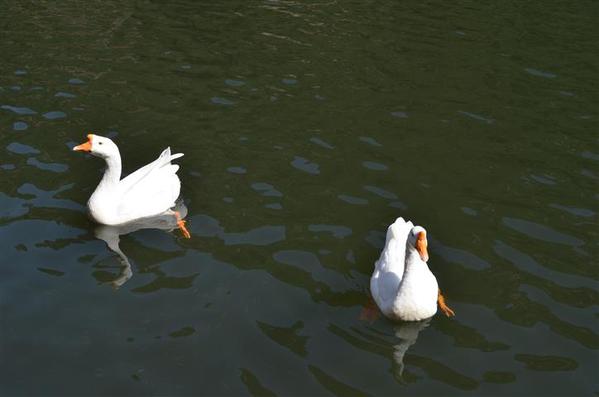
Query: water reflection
[407,334]
[111,236]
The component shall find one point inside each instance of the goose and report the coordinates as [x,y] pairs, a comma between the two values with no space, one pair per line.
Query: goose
[150,191]
[402,285]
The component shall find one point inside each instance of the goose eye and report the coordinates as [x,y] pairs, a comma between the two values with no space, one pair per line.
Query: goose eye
[100,143]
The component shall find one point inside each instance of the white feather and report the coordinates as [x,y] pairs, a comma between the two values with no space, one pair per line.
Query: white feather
[402,285]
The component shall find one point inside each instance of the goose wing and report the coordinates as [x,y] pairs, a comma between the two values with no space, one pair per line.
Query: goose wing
[393,256]
[152,189]
[389,269]
[146,171]
[151,195]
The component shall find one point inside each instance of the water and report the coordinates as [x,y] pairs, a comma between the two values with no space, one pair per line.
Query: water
[307,128]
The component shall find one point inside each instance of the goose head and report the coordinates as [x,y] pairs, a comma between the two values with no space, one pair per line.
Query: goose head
[98,146]
[417,240]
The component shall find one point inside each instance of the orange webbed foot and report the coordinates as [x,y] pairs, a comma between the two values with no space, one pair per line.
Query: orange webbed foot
[444,308]
[181,224]
[447,311]
[370,311]
[184,230]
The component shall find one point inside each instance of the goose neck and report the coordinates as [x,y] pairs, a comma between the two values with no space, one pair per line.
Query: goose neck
[112,173]
[412,258]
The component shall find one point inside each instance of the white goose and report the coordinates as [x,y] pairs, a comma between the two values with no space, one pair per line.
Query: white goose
[402,285]
[151,190]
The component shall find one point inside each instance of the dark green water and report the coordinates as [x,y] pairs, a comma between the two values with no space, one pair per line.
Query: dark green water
[307,128]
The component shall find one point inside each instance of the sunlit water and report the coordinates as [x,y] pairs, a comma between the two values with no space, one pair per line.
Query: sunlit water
[307,128]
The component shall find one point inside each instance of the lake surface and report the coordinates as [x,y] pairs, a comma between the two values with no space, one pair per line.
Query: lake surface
[307,128]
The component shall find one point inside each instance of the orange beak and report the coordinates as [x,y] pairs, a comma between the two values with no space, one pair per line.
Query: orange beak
[421,245]
[85,147]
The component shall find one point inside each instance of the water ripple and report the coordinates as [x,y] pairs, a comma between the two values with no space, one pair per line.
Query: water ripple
[583,212]
[370,141]
[54,115]
[469,211]
[380,192]
[264,235]
[20,126]
[237,170]
[321,143]
[352,199]
[458,256]
[206,226]
[221,101]
[54,167]
[547,363]
[477,117]
[305,165]
[234,83]
[544,179]
[18,110]
[336,230]
[527,263]
[266,189]
[20,148]
[541,232]
[372,165]
[540,73]
[65,95]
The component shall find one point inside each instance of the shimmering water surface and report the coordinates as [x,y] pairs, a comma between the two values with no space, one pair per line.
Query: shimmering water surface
[307,128]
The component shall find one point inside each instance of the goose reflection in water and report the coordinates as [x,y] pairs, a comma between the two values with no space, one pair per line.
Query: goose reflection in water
[111,236]
[407,334]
